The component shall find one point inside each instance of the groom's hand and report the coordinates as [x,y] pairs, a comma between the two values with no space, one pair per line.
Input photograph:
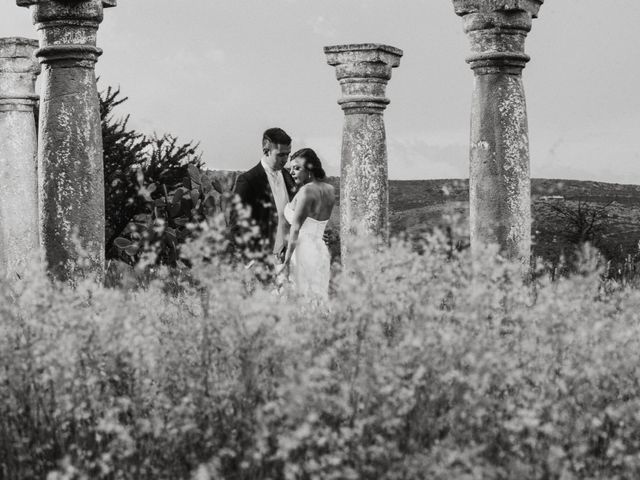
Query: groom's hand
[326,236]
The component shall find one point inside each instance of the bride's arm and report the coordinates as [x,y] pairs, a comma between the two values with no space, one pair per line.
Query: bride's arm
[300,214]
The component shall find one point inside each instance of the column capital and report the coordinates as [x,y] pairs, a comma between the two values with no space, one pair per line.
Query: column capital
[28,3]
[464,7]
[19,69]
[497,30]
[363,71]
[68,30]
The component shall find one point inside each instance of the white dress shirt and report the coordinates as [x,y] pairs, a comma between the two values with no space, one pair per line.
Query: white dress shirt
[278,188]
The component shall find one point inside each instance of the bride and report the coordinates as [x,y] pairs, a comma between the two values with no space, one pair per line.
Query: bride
[307,255]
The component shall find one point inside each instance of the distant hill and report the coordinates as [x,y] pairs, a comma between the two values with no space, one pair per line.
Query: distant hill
[408,194]
[420,205]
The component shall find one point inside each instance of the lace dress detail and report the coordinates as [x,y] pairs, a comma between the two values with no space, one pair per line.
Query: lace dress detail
[310,262]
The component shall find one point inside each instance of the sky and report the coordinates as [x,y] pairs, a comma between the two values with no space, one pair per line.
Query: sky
[220,72]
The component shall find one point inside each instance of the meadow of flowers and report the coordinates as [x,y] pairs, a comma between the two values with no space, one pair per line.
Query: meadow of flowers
[422,366]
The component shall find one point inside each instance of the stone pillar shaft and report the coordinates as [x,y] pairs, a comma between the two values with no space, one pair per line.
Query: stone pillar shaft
[499,178]
[18,154]
[363,72]
[70,157]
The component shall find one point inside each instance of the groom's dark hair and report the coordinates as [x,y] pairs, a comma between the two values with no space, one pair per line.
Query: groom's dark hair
[276,136]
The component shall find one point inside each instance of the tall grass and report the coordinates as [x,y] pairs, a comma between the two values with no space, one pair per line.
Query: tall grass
[420,367]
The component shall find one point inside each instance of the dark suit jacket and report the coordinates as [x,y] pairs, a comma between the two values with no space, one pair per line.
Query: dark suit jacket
[255,192]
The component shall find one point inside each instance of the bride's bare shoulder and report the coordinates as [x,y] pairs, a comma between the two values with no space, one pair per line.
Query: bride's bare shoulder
[305,192]
[304,189]
[329,188]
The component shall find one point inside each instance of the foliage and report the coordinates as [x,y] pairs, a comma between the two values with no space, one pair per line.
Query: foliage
[168,215]
[136,166]
[420,366]
[124,153]
[564,225]
[583,221]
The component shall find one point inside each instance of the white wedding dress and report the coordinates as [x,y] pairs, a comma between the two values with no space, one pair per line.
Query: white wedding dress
[310,262]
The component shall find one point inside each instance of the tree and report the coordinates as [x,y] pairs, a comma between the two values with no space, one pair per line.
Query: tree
[133,164]
[563,226]
[584,222]
[124,154]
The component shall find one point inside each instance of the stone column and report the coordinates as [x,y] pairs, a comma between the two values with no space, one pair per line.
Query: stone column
[363,71]
[18,154]
[499,181]
[70,163]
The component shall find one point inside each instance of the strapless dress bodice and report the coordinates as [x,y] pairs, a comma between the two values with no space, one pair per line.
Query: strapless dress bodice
[310,227]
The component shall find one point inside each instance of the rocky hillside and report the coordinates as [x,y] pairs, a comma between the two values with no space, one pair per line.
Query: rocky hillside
[421,205]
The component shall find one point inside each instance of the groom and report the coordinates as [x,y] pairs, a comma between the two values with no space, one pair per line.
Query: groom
[267,188]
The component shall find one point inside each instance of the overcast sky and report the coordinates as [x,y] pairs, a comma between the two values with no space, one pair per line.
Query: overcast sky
[221,71]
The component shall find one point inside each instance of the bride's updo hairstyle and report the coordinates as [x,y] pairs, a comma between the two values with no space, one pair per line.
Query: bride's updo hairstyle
[311,162]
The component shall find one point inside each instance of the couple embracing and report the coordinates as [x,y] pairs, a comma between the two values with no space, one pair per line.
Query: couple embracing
[291,208]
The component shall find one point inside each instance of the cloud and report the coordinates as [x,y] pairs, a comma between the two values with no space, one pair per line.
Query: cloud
[410,156]
[605,152]
[215,55]
[190,62]
[321,26]
[184,66]
[424,156]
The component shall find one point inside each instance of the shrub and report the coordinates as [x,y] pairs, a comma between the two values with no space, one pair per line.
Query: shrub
[162,224]
[420,366]
[139,170]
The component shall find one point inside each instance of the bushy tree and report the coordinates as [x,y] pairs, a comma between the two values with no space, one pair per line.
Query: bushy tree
[169,215]
[562,228]
[138,169]
[124,154]
[582,222]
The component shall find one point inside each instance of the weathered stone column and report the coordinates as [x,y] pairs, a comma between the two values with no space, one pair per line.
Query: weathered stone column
[70,163]
[499,181]
[363,71]
[18,154]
